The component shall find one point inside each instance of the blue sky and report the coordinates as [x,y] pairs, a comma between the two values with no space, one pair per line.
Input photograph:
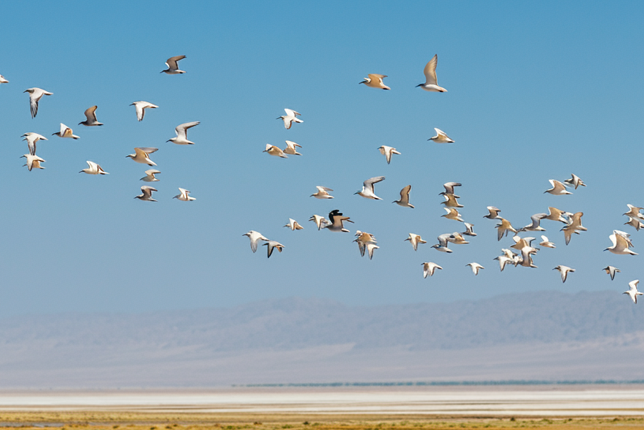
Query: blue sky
[536,92]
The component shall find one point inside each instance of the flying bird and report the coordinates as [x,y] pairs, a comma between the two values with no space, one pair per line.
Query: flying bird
[635,222]
[575,180]
[290,148]
[94,169]
[65,132]
[33,161]
[150,176]
[182,133]
[441,137]
[558,189]
[91,120]
[404,198]
[31,139]
[429,268]
[271,245]
[320,221]
[290,118]
[388,151]
[475,267]
[415,240]
[146,193]
[368,191]
[141,107]
[621,243]
[336,221]
[370,248]
[322,193]
[611,271]
[450,201]
[633,290]
[184,195]
[493,213]
[173,65]
[564,270]
[3,80]
[431,83]
[293,225]
[274,151]
[452,214]
[634,212]
[536,221]
[375,81]
[546,243]
[142,155]
[35,94]
[469,229]
[504,227]
[254,237]
[449,189]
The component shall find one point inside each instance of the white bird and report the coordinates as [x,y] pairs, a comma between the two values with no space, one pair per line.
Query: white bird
[320,221]
[611,271]
[635,222]
[35,94]
[546,243]
[522,242]
[290,118]
[141,107]
[293,225]
[429,268]
[431,83]
[573,226]
[31,139]
[33,161]
[404,198]
[388,151]
[94,169]
[173,65]
[634,212]
[450,201]
[3,80]
[503,260]
[142,155]
[558,189]
[254,237]
[149,176]
[363,239]
[469,229]
[271,245]
[91,120]
[442,248]
[322,193]
[374,80]
[415,240]
[526,257]
[370,248]
[290,148]
[504,227]
[274,151]
[621,243]
[493,213]
[449,189]
[146,193]
[182,133]
[564,270]
[555,214]
[633,290]
[65,132]
[368,191]
[452,214]
[475,267]
[536,221]
[575,180]
[441,137]
[184,195]
[336,221]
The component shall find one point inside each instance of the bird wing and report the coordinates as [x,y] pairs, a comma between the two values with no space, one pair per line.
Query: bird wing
[369,183]
[376,76]
[430,71]
[147,150]
[90,114]
[182,129]
[291,112]
[404,194]
[172,61]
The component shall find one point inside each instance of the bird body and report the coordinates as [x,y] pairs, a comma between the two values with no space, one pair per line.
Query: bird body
[65,132]
[91,120]
[184,195]
[173,65]
[431,82]
[35,94]
[290,117]
[141,107]
[94,169]
[182,133]
[374,80]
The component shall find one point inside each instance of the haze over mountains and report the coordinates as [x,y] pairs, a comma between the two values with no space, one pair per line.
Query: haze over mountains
[527,336]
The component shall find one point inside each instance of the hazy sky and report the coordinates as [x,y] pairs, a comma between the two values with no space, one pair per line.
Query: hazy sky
[537,91]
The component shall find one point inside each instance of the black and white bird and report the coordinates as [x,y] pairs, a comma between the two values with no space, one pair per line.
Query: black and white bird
[35,94]
[290,117]
[182,133]
[431,82]
[611,271]
[564,270]
[146,193]
[404,198]
[633,290]
[336,220]
[90,114]
[32,138]
[271,245]
[141,107]
[173,65]
[254,237]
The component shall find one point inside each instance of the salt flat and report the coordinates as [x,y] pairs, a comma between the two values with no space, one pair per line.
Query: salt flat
[447,401]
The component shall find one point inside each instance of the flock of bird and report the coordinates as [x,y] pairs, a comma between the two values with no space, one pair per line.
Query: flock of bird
[519,254]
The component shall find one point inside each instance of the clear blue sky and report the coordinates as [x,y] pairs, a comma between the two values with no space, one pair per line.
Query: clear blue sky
[536,91]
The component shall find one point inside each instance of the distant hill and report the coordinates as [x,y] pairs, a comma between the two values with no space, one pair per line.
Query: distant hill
[541,335]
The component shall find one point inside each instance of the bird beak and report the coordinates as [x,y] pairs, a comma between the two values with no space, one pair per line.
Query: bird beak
[363,82]
[419,85]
